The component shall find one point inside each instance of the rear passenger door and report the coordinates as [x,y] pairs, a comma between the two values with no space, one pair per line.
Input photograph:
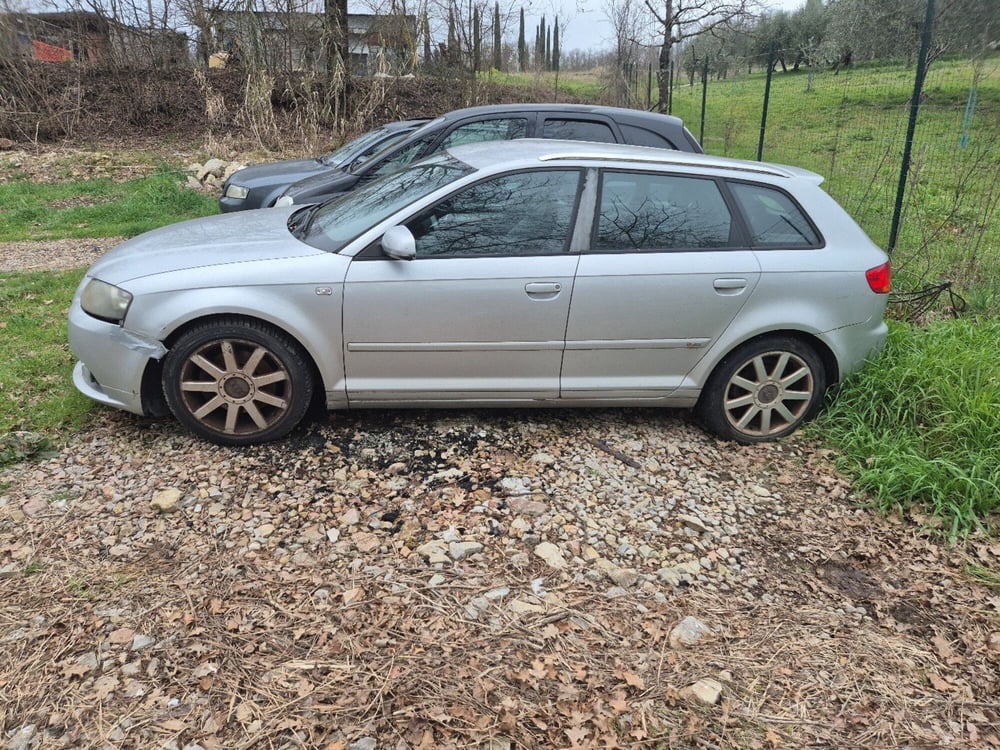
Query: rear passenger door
[666,271]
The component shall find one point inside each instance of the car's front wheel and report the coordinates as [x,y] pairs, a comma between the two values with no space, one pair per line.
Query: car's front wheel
[237,382]
[763,390]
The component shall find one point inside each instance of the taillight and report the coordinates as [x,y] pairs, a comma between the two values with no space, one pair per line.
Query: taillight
[880,278]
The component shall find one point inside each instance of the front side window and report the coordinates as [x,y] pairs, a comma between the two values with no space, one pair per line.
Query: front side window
[773,217]
[528,213]
[503,129]
[654,212]
[578,130]
[336,223]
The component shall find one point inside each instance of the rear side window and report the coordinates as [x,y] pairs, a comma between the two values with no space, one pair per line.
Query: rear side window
[504,129]
[660,212]
[773,218]
[578,130]
[642,137]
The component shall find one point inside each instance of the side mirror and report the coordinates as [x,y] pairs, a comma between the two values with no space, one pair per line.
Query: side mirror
[398,243]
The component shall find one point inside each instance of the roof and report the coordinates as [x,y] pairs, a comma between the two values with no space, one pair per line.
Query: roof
[530,151]
[621,114]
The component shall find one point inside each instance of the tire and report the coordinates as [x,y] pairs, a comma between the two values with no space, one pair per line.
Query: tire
[763,390]
[237,382]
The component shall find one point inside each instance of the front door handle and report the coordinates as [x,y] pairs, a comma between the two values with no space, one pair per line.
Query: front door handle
[543,288]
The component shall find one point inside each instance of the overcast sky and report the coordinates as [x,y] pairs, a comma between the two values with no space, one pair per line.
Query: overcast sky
[588,27]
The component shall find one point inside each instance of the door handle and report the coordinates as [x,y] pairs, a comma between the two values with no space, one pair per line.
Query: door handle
[542,288]
[729,284]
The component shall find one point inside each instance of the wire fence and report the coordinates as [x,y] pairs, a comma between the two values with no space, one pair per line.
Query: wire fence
[850,125]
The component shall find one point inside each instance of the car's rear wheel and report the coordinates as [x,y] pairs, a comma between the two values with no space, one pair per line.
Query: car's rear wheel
[763,390]
[237,382]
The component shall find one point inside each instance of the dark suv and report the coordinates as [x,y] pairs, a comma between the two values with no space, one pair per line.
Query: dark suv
[574,122]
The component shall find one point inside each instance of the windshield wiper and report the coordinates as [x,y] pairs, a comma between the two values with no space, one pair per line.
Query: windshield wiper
[300,221]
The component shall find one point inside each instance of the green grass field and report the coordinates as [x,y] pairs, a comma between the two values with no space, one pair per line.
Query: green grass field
[97,208]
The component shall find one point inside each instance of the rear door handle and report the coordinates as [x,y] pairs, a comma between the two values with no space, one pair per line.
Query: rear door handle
[730,286]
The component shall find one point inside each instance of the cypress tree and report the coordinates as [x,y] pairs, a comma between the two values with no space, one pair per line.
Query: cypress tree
[555,46]
[477,42]
[522,46]
[497,51]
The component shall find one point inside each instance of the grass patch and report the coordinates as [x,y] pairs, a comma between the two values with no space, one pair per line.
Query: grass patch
[920,426]
[98,208]
[36,385]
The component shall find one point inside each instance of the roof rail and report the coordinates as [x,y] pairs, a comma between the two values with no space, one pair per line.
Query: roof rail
[732,165]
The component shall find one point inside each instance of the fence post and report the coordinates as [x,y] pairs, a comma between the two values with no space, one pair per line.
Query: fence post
[767,98]
[670,89]
[704,95]
[911,127]
[649,87]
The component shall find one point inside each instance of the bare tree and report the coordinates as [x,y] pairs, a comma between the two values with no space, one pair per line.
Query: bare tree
[677,20]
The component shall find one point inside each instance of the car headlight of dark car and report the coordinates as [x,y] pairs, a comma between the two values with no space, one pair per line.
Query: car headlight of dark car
[237,191]
[105,301]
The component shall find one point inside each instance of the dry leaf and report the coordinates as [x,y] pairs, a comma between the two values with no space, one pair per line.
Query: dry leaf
[772,738]
[939,682]
[352,595]
[244,713]
[576,735]
[105,686]
[619,705]
[634,680]
[943,647]
[122,635]
[172,725]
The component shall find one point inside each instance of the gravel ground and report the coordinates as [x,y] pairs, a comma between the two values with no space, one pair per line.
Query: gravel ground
[476,579]
[53,255]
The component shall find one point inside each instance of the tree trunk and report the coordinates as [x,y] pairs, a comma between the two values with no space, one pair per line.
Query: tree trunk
[663,64]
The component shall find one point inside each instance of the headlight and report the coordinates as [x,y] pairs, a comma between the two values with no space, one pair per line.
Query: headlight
[237,191]
[105,301]
[285,200]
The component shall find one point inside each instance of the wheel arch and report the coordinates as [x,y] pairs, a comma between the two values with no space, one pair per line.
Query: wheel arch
[152,379]
[830,365]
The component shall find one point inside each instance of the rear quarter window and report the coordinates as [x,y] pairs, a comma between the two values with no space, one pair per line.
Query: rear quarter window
[773,218]
[642,137]
[568,129]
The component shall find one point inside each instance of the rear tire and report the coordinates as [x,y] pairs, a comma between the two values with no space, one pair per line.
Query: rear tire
[763,390]
[237,382]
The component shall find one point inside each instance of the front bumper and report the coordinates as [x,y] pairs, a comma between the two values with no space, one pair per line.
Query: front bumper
[112,361]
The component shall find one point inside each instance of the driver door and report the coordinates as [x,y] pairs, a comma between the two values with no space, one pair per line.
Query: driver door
[480,314]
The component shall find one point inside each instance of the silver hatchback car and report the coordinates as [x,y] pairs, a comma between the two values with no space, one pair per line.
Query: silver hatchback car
[518,273]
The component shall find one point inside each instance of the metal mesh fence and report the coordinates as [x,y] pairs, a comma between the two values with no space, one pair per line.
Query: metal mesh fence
[850,126]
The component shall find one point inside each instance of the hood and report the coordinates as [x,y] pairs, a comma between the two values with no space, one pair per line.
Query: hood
[265,175]
[215,240]
[322,185]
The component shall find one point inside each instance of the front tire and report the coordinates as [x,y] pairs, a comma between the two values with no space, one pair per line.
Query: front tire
[237,382]
[763,390]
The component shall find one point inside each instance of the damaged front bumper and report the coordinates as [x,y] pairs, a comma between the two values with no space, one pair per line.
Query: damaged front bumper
[112,361]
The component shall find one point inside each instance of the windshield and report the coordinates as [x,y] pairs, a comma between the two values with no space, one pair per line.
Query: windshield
[338,222]
[357,146]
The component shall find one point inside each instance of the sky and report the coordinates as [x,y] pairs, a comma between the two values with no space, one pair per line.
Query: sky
[588,28]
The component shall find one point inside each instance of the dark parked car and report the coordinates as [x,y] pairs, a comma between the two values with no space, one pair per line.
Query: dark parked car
[259,186]
[568,122]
